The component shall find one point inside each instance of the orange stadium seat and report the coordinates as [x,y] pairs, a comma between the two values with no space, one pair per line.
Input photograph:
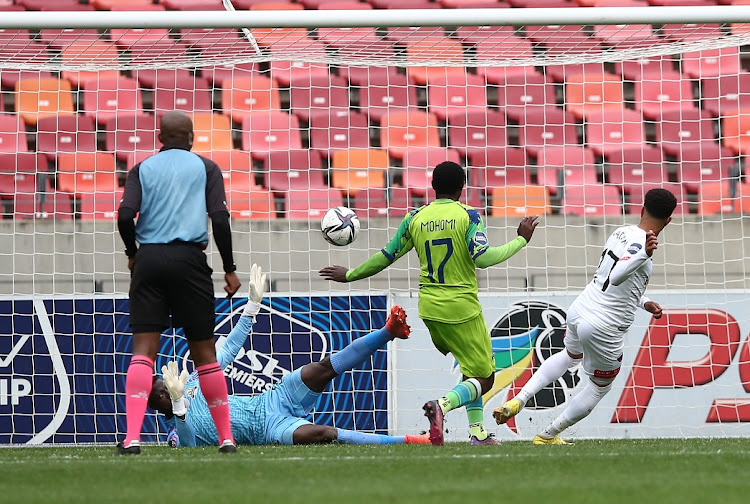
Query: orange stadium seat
[65,133]
[254,203]
[356,169]
[476,130]
[233,160]
[241,96]
[586,93]
[428,49]
[519,201]
[263,132]
[418,165]
[402,130]
[339,129]
[735,129]
[211,132]
[104,99]
[126,134]
[724,197]
[12,134]
[456,94]
[90,52]
[43,97]
[592,200]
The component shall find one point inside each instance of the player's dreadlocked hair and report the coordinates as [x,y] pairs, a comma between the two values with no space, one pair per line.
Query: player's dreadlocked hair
[660,203]
[448,178]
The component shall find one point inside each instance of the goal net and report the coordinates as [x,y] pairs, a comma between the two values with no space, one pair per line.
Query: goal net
[570,114]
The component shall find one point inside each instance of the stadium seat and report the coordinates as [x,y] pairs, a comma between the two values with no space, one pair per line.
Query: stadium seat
[64,134]
[735,131]
[104,99]
[263,132]
[288,72]
[519,201]
[339,129]
[494,36]
[724,197]
[218,73]
[367,75]
[562,73]
[647,68]
[211,132]
[126,134]
[57,38]
[614,131]
[268,37]
[505,48]
[586,94]
[108,4]
[547,126]
[93,53]
[125,38]
[18,180]
[317,95]
[87,173]
[592,200]
[456,94]
[33,53]
[425,50]
[295,170]
[100,205]
[43,97]
[711,63]
[566,39]
[402,130]
[403,35]
[418,165]
[690,31]
[171,51]
[629,36]
[688,134]
[386,92]
[312,204]
[523,94]
[357,169]
[635,199]
[656,97]
[374,202]
[475,131]
[243,96]
[181,91]
[498,167]
[565,166]
[12,134]
[254,203]
[631,168]
[725,95]
[694,173]
[342,37]
[222,39]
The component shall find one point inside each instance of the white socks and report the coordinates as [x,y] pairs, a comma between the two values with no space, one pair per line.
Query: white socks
[550,370]
[578,408]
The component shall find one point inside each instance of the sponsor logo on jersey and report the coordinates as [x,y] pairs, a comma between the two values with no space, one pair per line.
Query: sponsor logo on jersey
[634,248]
[480,239]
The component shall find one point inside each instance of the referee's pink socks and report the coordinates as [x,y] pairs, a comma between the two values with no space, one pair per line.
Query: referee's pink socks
[214,388]
[137,388]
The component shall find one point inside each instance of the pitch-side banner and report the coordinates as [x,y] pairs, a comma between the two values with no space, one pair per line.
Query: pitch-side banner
[684,375]
[63,362]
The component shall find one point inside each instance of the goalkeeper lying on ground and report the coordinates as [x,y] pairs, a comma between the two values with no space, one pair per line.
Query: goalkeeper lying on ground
[277,415]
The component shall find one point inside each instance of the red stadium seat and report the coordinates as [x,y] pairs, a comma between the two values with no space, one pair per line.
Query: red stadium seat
[296,170]
[339,129]
[562,73]
[402,35]
[403,130]
[404,4]
[100,205]
[680,3]
[126,134]
[688,134]
[125,38]
[567,39]
[18,180]
[725,95]
[386,93]
[97,53]
[691,31]
[149,77]
[458,94]
[498,167]
[376,76]
[65,134]
[495,35]
[656,97]
[614,131]
[288,72]
[712,63]
[418,166]
[629,36]
[42,4]
[592,200]
[373,202]
[180,91]
[521,95]
[31,53]
[506,48]
[342,37]
[646,68]
[108,4]
[207,38]
[568,166]
[545,127]
[317,95]
[57,38]
[12,134]
[108,98]
[632,168]
[475,131]
[263,132]
[693,174]
[269,37]
[586,94]
[192,4]
[312,204]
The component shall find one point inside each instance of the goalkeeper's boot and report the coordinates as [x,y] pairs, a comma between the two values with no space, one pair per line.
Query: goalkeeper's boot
[417,439]
[507,411]
[539,440]
[134,448]
[396,323]
[488,441]
[228,446]
[435,415]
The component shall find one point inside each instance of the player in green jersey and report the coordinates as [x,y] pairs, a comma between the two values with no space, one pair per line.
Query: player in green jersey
[450,240]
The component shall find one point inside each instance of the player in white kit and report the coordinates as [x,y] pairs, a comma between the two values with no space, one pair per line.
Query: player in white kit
[599,317]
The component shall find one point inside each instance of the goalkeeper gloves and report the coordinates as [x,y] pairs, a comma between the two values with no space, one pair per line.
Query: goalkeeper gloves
[256,291]
[175,382]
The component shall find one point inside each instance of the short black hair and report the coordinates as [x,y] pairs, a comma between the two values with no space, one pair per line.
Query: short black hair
[660,203]
[448,178]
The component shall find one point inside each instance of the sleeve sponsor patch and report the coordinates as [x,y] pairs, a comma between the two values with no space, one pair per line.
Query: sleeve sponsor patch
[480,239]
[634,248]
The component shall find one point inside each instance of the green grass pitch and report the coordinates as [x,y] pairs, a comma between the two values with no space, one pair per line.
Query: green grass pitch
[607,472]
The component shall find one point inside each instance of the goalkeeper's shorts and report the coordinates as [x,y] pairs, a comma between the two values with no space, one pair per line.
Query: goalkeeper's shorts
[172,279]
[469,342]
[286,406]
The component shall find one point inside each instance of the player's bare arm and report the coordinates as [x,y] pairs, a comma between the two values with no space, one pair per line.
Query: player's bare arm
[652,242]
[335,273]
[653,308]
[527,226]
[232,283]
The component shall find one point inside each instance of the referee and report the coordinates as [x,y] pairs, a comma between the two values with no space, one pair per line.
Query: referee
[171,192]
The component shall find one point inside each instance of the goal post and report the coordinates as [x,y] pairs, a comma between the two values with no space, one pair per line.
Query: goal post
[571,114]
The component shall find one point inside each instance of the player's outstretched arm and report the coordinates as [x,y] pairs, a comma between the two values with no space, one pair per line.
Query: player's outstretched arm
[236,339]
[628,264]
[491,256]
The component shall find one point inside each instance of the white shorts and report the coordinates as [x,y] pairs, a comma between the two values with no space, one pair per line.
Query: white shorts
[602,352]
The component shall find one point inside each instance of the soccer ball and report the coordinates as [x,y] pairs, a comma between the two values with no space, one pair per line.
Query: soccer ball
[340,226]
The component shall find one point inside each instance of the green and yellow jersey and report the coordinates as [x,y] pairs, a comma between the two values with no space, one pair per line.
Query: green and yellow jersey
[450,240]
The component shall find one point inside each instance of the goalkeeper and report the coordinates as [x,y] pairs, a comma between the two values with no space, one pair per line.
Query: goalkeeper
[450,240]
[277,415]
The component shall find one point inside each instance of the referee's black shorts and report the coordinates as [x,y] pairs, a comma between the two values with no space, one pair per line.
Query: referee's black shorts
[172,279]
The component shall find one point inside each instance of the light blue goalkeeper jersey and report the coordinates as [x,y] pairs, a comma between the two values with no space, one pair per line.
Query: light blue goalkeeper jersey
[247,413]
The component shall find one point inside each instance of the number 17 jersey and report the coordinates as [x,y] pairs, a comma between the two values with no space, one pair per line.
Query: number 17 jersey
[608,307]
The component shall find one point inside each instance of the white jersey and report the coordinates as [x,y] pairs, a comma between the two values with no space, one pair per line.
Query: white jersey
[610,300]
